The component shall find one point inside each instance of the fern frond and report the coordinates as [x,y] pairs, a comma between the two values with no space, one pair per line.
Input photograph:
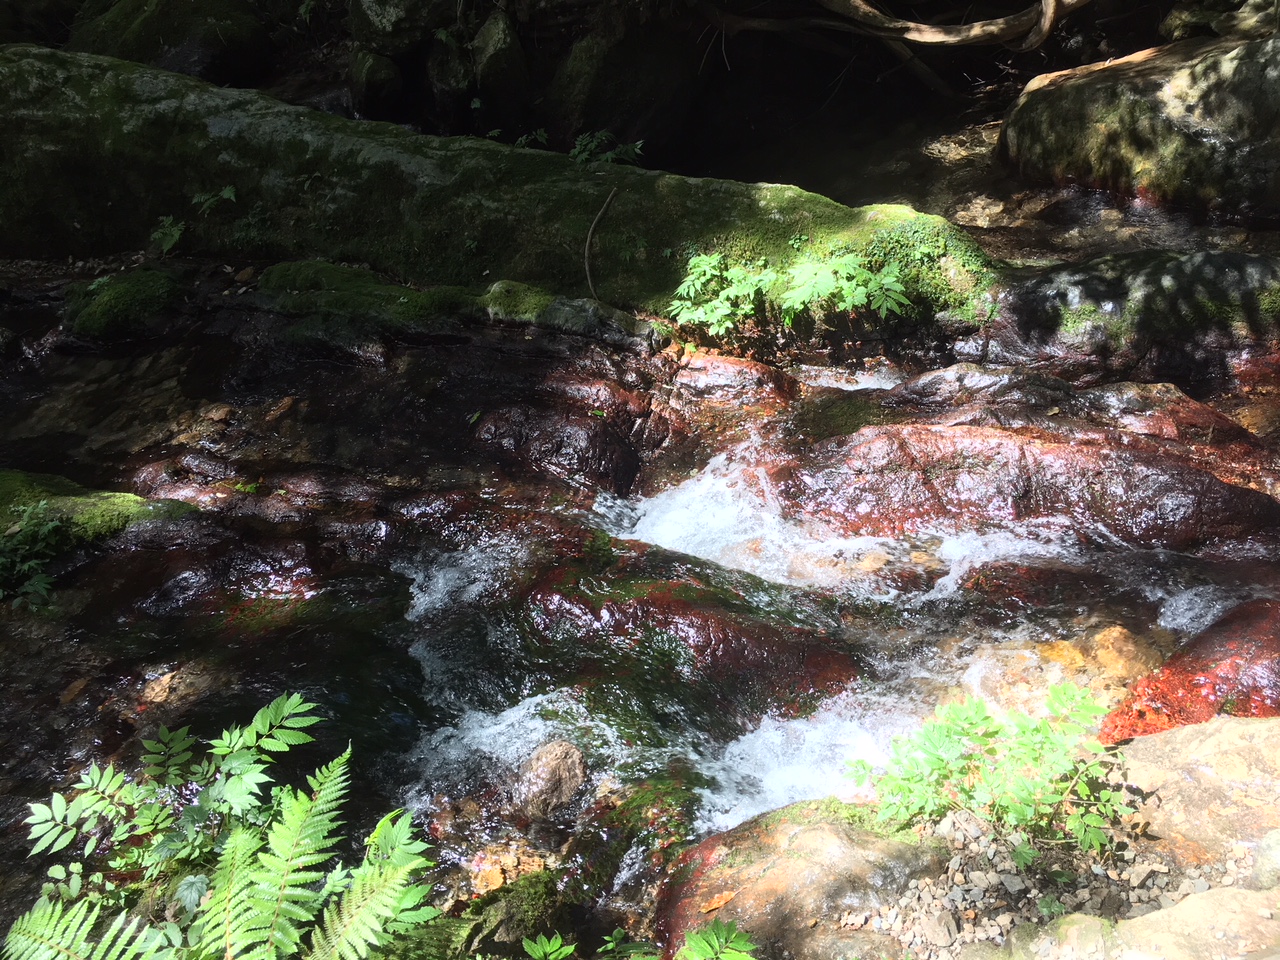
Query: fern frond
[229,924]
[357,920]
[51,931]
[303,836]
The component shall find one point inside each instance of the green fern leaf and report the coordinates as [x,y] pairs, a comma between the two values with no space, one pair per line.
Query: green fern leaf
[357,920]
[303,837]
[52,931]
[229,924]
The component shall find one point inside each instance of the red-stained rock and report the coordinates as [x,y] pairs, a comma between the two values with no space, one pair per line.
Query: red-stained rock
[886,480]
[1233,667]
[792,879]
[566,444]
[748,663]
[734,380]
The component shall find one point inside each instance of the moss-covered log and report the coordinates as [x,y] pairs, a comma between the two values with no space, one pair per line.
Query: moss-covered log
[96,150]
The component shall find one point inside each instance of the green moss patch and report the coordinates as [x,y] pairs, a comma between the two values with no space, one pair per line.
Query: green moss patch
[346,307]
[122,306]
[89,514]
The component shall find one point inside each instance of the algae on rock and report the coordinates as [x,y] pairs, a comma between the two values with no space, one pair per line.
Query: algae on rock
[89,514]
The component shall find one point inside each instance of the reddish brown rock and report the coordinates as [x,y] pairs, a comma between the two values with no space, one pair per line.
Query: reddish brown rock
[682,632]
[732,379]
[794,879]
[886,480]
[1232,667]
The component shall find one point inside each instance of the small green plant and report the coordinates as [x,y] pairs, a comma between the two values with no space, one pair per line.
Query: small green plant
[167,234]
[1040,782]
[618,944]
[213,860]
[717,941]
[1050,907]
[26,548]
[204,202]
[716,293]
[841,284]
[601,146]
[544,949]
[538,136]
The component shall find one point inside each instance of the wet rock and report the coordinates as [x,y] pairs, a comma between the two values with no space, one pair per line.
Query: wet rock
[1151,315]
[647,646]
[565,444]
[550,779]
[222,41]
[1191,123]
[789,876]
[733,380]
[885,480]
[1232,667]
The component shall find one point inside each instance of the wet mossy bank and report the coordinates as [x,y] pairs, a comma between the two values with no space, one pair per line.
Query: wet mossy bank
[98,150]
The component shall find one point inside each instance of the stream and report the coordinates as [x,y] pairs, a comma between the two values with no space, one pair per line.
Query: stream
[467,548]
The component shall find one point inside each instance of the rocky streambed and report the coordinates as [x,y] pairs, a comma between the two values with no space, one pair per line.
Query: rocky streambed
[582,598]
[599,603]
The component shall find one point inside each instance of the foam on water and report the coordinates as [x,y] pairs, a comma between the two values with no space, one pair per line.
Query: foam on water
[787,760]
[443,579]
[965,552]
[729,513]
[780,762]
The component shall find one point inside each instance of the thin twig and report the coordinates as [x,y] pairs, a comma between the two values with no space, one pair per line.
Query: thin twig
[586,253]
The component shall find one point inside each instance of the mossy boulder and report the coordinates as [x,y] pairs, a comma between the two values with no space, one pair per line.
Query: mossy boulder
[344,306]
[222,41]
[103,148]
[1149,315]
[89,514]
[1195,123]
[398,28]
[122,306]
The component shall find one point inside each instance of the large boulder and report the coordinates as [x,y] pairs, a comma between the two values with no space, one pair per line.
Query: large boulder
[1153,315]
[790,876]
[1194,123]
[222,41]
[884,480]
[104,148]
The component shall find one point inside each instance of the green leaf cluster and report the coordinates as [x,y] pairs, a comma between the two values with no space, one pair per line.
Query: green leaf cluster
[217,861]
[544,949]
[716,293]
[717,941]
[601,146]
[1039,781]
[27,546]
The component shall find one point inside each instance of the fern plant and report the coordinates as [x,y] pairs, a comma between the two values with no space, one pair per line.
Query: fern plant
[717,293]
[229,864]
[27,546]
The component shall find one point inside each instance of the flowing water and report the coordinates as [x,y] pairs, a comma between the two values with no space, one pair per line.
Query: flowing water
[452,614]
